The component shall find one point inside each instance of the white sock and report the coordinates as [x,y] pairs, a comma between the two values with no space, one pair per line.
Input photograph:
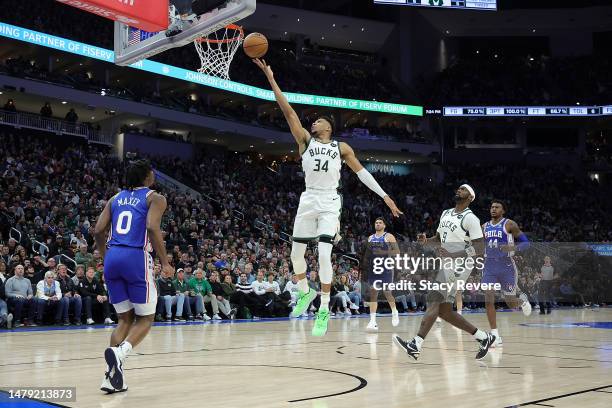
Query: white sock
[480,335]
[303,285]
[125,348]
[373,317]
[324,300]
[394,308]
[418,340]
[495,333]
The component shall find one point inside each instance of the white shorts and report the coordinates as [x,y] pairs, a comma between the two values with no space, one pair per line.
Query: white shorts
[318,215]
[140,309]
[452,276]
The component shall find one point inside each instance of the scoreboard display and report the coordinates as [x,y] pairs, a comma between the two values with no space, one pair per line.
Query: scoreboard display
[528,111]
[451,4]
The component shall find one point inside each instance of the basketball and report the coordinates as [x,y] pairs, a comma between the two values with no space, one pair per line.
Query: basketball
[255,45]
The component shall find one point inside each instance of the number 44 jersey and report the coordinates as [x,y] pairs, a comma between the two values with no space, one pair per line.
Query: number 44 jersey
[129,211]
[321,163]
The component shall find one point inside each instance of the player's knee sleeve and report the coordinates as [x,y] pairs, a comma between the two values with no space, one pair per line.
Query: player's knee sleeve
[298,250]
[325,265]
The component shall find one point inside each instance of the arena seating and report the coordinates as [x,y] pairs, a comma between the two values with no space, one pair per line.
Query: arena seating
[55,187]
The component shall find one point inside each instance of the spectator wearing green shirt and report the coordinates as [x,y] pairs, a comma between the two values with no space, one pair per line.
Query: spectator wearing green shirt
[201,289]
[182,289]
[83,257]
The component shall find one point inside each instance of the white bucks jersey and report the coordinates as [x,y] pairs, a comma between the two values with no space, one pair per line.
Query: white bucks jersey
[321,163]
[457,230]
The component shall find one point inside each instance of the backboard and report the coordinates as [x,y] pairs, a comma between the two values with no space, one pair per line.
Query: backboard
[133,44]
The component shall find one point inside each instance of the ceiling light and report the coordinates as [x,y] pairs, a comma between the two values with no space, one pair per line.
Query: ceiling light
[131,124]
[64,102]
[362,28]
[251,146]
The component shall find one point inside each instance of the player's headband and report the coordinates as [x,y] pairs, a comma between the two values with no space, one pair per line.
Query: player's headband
[470,189]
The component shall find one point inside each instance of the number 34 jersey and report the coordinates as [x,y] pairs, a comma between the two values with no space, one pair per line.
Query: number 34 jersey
[321,163]
[129,211]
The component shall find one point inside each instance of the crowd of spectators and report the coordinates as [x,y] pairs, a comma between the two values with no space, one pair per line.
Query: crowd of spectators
[230,246]
[520,81]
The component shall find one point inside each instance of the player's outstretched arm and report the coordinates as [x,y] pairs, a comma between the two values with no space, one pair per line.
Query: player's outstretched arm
[423,239]
[300,134]
[348,155]
[157,207]
[101,228]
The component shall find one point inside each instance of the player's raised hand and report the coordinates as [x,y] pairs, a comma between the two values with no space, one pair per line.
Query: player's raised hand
[422,238]
[261,63]
[391,204]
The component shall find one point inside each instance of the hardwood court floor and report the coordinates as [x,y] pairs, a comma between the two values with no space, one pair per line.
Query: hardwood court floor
[552,362]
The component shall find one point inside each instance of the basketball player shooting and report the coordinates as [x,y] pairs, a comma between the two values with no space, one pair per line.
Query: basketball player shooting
[500,235]
[129,219]
[318,214]
[460,237]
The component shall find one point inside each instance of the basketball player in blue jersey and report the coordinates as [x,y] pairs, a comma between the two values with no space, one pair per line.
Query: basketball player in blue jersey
[500,236]
[386,245]
[130,220]
[318,214]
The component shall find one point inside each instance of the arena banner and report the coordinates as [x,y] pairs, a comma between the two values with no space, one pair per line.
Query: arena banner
[527,111]
[102,54]
[144,14]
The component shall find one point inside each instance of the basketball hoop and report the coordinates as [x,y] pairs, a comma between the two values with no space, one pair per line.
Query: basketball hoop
[217,49]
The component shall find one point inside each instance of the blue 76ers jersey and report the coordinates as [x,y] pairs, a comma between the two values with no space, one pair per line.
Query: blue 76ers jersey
[378,242]
[129,211]
[495,236]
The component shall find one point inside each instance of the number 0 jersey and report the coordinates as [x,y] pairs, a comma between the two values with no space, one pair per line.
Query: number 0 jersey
[129,211]
[321,163]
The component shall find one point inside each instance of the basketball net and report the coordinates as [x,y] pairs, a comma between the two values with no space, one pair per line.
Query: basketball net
[217,49]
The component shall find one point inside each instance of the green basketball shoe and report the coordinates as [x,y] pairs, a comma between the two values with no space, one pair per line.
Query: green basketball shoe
[320,326]
[304,300]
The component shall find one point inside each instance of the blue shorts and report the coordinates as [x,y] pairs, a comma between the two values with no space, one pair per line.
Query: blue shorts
[502,271]
[128,273]
[385,277]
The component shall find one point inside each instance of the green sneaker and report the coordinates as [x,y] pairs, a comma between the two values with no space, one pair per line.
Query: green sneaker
[304,300]
[320,327]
